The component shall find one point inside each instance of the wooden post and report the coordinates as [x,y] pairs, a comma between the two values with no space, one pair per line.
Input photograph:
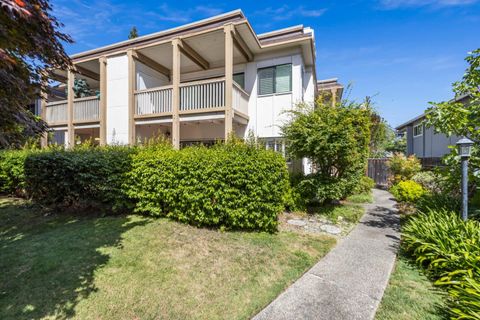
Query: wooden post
[103,101]
[43,115]
[70,96]
[334,97]
[228,29]
[176,93]
[131,96]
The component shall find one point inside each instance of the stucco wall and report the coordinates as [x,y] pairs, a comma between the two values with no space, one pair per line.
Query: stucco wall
[117,100]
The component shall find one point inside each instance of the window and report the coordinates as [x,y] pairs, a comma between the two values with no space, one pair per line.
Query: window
[277,79]
[418,130]
[239,78]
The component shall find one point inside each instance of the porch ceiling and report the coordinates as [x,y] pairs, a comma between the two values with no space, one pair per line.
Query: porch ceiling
[211,46]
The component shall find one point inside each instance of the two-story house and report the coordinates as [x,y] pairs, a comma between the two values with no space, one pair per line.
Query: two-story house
[196,83]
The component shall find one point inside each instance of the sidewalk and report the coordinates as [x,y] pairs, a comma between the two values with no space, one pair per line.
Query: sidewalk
[348,283]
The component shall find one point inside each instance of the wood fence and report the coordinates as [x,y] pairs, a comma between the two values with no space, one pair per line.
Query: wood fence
[378,171]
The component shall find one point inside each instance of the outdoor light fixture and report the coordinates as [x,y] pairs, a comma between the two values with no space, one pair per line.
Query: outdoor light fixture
[464,150]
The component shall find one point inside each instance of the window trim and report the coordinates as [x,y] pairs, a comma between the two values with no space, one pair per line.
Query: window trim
[420,126]
[274,67]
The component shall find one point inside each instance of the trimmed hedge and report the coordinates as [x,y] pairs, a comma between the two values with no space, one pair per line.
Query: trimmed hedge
[12,177]
[85,177]
[232,186]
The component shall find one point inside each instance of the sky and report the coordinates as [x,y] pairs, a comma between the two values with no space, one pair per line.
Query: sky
[403,53]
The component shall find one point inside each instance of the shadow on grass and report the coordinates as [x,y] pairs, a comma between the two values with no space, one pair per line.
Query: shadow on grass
[48,264]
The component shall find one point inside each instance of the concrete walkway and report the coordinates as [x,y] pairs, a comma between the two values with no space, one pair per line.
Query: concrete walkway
[348,283]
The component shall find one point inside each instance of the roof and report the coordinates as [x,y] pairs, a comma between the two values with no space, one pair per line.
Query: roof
[461,98]
[236,17]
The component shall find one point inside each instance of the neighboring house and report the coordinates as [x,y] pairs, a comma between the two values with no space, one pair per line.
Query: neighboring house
[423,142]
[330,90]
[196,83]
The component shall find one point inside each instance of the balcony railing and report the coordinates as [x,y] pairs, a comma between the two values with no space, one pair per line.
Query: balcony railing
[240,99]
[56,112]
[152,101]
[86,109]
[202,95]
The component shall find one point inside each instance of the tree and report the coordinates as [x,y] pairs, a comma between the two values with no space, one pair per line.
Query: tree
[30,44]
[336,140]
[461,117]
[133,33]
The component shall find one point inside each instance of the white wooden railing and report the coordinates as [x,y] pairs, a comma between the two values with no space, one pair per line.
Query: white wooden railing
[240,99]
[202,94]
[56,111]
[86,109]
[156,100]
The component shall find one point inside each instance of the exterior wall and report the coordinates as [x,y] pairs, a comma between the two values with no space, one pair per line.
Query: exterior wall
[145,132]
[201,131]
[117,100]
[429,144]
[148,78]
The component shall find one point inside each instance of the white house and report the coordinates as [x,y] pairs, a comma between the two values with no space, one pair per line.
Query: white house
[196,83]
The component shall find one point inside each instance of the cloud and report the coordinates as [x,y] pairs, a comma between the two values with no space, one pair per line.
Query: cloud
[167,13]
[395,4]
[286,12]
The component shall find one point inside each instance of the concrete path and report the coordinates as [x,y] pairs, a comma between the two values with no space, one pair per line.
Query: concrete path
[348,283]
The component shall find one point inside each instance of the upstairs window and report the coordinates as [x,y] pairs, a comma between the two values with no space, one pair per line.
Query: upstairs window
[418,130]
[277,79]
[239,78]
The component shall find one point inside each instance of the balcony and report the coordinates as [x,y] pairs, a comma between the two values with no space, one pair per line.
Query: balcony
[84,110]
[195,97]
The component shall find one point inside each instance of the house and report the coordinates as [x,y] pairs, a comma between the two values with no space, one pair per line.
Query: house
[196,83]
[423,142]
[330,90]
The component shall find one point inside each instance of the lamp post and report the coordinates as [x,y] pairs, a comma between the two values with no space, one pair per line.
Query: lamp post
[464,149]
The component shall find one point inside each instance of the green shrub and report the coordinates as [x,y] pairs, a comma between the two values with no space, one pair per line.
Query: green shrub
[438,201]
[83,177]
[407,191]
[403,168]
[365,185]
[12,177]
[448,248]
[231,186]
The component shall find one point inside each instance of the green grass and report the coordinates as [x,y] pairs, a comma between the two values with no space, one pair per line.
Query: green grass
[361,198]
[132,267]
[349,212]
[411,296]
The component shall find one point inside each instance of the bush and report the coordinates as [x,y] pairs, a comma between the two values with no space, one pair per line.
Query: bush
[365,185]
[438,201]
[448,248]
[84,177]
[12,179]
[430,180]
[403,168]
[336,140]
[231,186]
[407,191]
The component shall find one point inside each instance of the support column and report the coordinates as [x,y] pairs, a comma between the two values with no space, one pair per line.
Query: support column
[103,101]
[131,97]
[176,94]
[334,97]
[43,115]
[70,96]
[228,29]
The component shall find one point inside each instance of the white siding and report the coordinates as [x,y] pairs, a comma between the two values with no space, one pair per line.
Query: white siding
[117,100]
[148,78]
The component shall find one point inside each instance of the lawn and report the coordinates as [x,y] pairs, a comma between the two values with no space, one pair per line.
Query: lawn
[411,296]
[132,267]
[349,212]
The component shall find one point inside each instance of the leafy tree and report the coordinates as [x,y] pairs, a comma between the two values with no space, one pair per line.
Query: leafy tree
[30,44]
[396,144]
[336,140]
[461,117]
[133,33]
[81,88]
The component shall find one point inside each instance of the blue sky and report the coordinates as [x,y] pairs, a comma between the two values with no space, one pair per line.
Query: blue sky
[403,52]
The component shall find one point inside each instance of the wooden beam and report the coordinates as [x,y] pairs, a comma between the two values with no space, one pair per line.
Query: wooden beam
[152,64]
[176,93]
[193,55]
[58,77]
[241,45]
[43,114]
[70,96]
[131,97]
[228,30]
[87,73]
